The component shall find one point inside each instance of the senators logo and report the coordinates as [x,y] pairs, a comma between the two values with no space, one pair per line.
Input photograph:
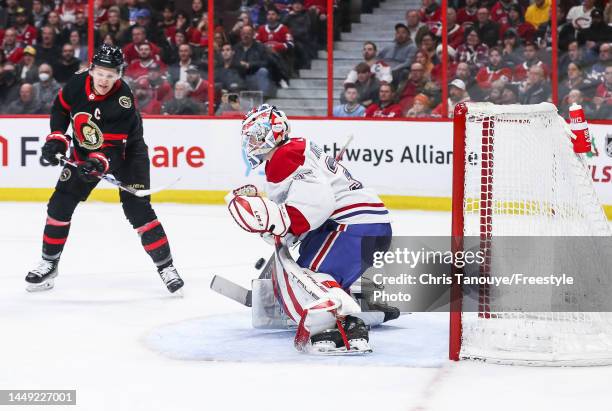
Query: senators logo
[87,132]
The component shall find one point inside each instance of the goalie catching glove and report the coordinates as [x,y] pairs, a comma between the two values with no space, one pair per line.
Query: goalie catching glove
[259,215]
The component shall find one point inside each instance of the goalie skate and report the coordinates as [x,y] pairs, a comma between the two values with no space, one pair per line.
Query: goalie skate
[42,277]
[331,342]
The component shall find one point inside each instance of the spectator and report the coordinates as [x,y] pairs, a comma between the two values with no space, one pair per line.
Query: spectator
[67,11]
[428,43]
[230,106]
[227,70]
[386,108]
[511,54]
[178,72]
[182,25]
[351,108]
[168,18]
[525,31]
[26,104]
[197,12]
[171,54]
[566,30]
[67,65]
[422,58]
[495,92]
[608,13]
[198,88]
[457,93]
[367,85]
[143,19]
[80,50]
[493,71]
[575,97]
[39,13]
[501,10]
[534,89]
[473,52]
[278,41]
[430,13]
[488,30]
[464,74]
[12,50]
[413,85]
[301,26]
[456,33]
[420,108]
[510,94]
[26,33]
[574,55]
[274,35]
[451,66]
[28,70]
[530,57]
[9,84]
[47,51]
[605,59]
[114,26]
[140,66]
[538,13]
[144,98]
[181,104]
[162,90]
[597,33]
[130,51]
[47,88]
[602,101]
[400,54]
[100,13]
[580,16]
[252,59]
[79,24]
[53,21]
[243,20]
[466,16]
[378,68]
[576,79]
[416,28]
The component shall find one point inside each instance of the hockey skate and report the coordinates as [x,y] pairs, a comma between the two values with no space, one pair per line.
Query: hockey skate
[42,277]
[331,342]
[171,278]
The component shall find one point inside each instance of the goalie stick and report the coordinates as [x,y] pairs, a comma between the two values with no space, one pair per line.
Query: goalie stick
[112,180]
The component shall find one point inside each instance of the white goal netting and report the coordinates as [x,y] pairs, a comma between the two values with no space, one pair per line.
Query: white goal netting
[522,178]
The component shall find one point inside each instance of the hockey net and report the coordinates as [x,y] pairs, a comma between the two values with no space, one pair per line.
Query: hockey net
[515,174]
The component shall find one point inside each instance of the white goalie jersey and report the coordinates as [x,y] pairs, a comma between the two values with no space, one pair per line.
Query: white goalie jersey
[315,188]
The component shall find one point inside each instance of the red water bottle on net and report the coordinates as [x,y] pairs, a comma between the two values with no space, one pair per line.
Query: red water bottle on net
[580,128]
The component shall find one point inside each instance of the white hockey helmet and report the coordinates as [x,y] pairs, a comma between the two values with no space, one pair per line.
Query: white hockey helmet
[263,128]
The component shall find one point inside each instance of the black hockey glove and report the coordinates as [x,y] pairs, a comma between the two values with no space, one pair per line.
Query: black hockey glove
[51,149]
[87,169]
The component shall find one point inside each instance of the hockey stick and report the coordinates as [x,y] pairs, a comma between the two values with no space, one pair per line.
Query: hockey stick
[112,180]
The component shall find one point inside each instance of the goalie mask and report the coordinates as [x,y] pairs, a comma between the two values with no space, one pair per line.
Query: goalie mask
[263,128]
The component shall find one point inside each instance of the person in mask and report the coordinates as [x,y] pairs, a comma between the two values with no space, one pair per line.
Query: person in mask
[47,87]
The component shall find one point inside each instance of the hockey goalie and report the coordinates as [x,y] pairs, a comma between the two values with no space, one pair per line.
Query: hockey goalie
[314,200]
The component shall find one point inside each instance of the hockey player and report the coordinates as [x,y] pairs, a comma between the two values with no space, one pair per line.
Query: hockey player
[313,198]
[107,137]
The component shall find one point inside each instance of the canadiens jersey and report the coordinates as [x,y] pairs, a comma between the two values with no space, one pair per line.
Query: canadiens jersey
[108,126]
[315,188]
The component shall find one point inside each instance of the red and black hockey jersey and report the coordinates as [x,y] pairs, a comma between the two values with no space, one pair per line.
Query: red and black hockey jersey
[107,127]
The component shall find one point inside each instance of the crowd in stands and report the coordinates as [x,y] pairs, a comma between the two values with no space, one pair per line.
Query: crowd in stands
[498,51]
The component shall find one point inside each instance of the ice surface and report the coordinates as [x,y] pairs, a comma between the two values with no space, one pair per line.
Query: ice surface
[111,331]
